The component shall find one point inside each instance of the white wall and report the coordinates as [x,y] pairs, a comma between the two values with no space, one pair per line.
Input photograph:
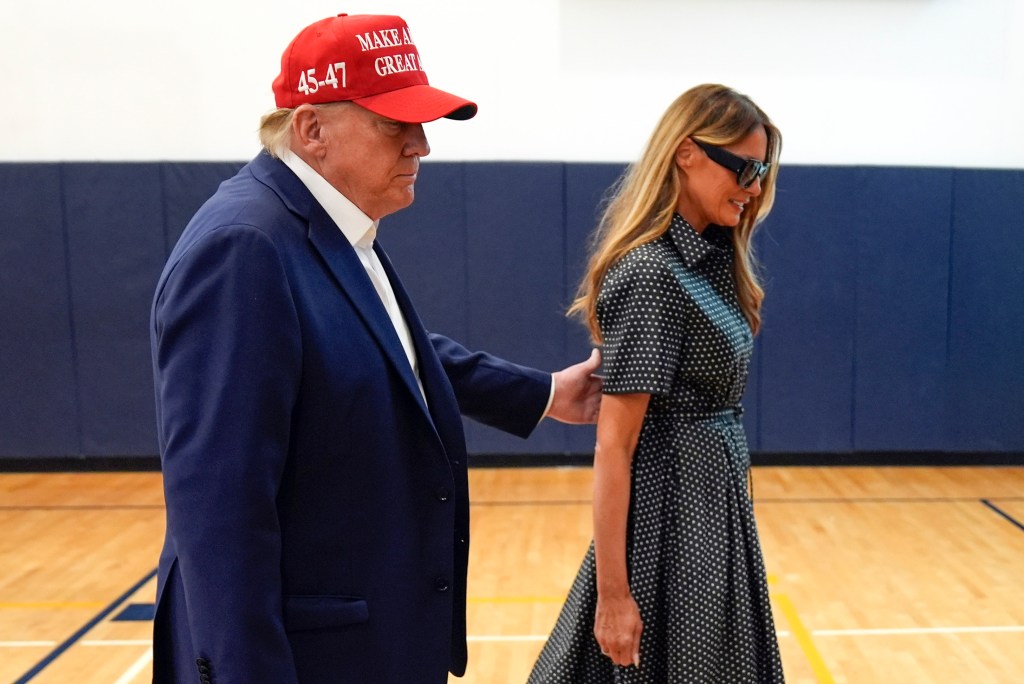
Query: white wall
[892,82]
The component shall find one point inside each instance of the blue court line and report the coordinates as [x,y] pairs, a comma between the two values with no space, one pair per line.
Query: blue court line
[1003,513]
[137,612]
[45,662]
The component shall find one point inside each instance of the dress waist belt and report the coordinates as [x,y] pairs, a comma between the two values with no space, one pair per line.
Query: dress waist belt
[688,414]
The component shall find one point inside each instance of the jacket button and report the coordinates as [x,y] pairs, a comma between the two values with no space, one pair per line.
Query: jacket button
[441,584]
[442,494]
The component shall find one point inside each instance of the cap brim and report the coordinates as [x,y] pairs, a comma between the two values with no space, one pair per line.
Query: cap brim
[418,104]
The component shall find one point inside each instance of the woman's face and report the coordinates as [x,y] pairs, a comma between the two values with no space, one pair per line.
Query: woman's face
[710,192]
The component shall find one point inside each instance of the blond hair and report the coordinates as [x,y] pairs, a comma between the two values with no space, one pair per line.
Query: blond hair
[644,199]
[276,131]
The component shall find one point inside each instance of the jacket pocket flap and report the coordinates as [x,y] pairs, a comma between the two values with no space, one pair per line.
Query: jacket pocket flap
[303,613]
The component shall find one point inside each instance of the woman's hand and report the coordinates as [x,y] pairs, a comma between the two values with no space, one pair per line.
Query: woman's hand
[617,627]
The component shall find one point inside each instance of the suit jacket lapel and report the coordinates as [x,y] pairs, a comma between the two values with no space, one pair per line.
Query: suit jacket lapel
[343,263]
[348,270]
[443,404]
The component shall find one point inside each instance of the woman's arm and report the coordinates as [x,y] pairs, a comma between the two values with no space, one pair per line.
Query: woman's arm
[617,624]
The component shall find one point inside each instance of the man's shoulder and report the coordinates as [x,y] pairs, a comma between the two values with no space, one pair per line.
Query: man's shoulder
[240,193]
[247,198]
[242,204]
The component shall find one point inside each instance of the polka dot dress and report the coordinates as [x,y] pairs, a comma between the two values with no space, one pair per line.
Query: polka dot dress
[672,328]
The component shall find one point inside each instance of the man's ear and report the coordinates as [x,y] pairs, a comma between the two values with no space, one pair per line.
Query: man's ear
[685,153]
[308,130]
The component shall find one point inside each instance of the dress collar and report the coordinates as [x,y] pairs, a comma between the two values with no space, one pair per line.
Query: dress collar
[690,244]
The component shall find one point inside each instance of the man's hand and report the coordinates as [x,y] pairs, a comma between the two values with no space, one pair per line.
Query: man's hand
[577,392]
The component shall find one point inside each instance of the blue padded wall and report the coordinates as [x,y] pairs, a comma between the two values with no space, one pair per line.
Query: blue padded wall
[903,225]
[38,405]
[985,385]
[115,225]
[427,244]
[892,322]
[515,251]
[807,351]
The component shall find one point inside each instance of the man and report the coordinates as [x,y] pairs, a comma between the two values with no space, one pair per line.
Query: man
[312,448]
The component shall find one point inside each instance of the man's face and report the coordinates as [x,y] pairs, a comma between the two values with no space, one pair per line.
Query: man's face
[372,160]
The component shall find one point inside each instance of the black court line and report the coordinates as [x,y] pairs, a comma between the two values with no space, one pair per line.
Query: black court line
[567,502]
[869,500]
[1003,513]
[56,653]
[581,502]
[879,500]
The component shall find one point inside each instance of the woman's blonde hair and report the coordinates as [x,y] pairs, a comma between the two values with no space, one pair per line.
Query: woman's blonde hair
[643,200]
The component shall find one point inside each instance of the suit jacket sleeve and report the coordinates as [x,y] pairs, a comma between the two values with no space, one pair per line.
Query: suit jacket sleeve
[227,358]
[493,391]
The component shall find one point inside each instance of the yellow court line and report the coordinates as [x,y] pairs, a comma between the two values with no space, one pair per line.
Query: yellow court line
[50,605]
[803,637]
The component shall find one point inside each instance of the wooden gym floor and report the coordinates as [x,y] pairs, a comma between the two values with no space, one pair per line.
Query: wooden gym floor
[894,575]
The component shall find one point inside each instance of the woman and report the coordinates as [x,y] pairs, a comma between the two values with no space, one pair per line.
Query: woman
[673,588]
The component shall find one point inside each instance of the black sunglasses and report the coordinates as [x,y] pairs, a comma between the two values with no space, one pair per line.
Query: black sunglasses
[746,170]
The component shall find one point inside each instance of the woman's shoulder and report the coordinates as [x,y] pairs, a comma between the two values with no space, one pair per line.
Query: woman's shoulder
[653,256]
[645,267]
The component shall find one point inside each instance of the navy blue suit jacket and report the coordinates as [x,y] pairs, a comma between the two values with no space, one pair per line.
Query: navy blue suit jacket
[317,508]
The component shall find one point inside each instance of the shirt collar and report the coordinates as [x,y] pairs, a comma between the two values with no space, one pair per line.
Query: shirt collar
[358,228]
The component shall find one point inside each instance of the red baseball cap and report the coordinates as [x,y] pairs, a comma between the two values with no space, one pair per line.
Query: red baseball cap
[367,59]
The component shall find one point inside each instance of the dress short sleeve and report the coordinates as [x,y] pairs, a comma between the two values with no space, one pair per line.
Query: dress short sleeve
[640,313]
